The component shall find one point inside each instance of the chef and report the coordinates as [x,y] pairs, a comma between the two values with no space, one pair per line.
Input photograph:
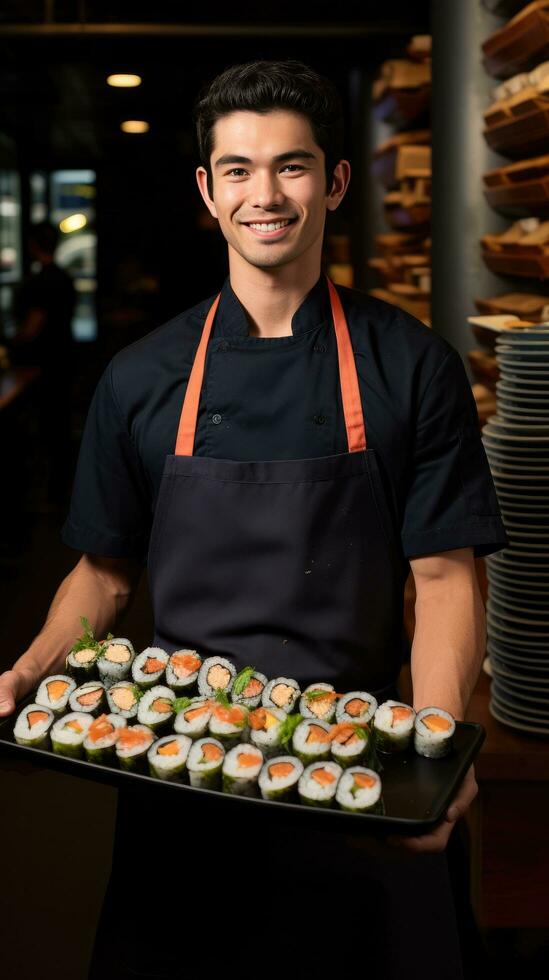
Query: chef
[279,456]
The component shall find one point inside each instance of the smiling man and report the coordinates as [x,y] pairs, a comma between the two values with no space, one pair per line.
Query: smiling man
[279,456]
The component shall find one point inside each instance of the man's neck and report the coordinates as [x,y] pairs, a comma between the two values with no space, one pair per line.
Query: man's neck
[271,297]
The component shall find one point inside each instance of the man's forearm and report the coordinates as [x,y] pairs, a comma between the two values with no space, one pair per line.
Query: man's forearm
[449,644]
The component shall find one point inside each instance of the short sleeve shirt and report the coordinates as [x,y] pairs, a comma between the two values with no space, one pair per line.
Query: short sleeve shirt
[279,398]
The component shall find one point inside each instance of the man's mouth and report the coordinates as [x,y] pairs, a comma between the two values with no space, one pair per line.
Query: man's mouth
[270,229]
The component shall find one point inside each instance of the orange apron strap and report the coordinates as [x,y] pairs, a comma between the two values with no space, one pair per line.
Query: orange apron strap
[350,392]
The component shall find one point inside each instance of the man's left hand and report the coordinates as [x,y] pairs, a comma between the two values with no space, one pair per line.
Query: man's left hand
[438,838]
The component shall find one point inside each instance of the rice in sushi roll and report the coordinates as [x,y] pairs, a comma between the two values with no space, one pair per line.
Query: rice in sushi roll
[318,784]
[266,727]
[205,762]
[433,732]
[82,663]
[192,716]
[100,740]
[229,723]
[216,674]
[54,692]
[89,698]
[115,660]
[241,768]
[350,743]
[182,671]
[312,741]
[149,666]
[282,692]
[356,706]
[359,791]
[167,757]
[393,726]
[123,699]
[279,777]
[68,734]
[155,708]
[248,687]
[318,701]
[132,745]
[33,725]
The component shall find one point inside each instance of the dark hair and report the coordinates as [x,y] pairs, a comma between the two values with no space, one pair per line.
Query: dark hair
[261,86]
[45,236]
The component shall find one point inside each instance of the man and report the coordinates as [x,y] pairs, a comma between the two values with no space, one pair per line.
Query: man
[297,448]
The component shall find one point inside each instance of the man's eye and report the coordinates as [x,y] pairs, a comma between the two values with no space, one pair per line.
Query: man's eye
[233,171]
[299,167]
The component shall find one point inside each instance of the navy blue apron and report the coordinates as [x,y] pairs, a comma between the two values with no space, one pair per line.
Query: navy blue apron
[292,566]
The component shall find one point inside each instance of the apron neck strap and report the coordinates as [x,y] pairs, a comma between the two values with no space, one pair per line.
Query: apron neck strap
[350,391]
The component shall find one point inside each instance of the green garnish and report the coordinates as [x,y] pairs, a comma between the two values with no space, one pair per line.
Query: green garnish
[242,680]
[359,730]
[137,692]
[181,703]
[288,728]
[88,642]
[317,694]
[221,697]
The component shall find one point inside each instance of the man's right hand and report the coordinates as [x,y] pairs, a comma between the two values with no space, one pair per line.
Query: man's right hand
[14,686]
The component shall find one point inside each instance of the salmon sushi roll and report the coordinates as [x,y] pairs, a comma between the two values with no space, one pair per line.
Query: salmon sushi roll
[192,716]
[123,699]
[100,740]
[318,701]
[241,768]
[279,777]
[68,734]
[357,707]
[167,757]
[54,692]
[282,692]
[149,666]
[205,762]
[318,784]
[229,724]
[132,745]
[216,674]
[393,726]
[248,687]
[359,791]
[115,660]
[312,741]
[350,743]
[266,728]
[33,725]
[89,698]
[155,708]
[182,671]
[433,732]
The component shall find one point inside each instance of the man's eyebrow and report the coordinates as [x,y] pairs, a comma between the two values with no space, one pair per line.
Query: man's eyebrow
[289,155]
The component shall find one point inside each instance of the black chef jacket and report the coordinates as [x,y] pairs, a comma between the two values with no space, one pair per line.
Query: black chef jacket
[279,398]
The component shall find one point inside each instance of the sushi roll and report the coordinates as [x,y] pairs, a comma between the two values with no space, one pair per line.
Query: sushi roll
[167,757]
[215,674]
[100,740]
[132,745]
[115,660]
[393,726]
[123,699]
[248,686]
[356,706]
[155,708]
[182,671]
[350,744]
[229,724]
[312,741]
[282,692]
[81,661]
[266,728]
[433,732]
[205,762]
[149,666]
[192,716]
[54,692]
[318,784]
[318,701]
[68,734]
[89,698]
[241,768]
[33,725]
[279,777]
[359,791]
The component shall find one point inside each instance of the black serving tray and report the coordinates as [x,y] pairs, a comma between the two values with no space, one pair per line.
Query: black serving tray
[416,791]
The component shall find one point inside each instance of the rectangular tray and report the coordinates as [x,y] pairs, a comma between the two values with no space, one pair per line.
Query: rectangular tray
[416,790]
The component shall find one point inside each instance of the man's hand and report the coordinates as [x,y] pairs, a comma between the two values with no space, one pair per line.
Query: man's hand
[438,838]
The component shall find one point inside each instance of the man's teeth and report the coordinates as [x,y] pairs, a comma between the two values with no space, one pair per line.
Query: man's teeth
[272,226]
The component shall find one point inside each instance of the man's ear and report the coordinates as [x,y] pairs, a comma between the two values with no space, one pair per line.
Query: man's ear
[202,181]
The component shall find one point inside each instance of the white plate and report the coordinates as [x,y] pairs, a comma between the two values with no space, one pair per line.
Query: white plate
[529,716]
[506,429]
[523,727]
[506,687]
[507,611]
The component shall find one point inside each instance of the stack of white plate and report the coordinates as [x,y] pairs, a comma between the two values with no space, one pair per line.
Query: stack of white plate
[516,440]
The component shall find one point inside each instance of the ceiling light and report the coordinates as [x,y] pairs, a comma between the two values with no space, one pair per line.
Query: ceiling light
[134,126]
[124,81]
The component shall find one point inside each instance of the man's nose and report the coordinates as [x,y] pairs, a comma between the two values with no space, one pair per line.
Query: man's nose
[266,191]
